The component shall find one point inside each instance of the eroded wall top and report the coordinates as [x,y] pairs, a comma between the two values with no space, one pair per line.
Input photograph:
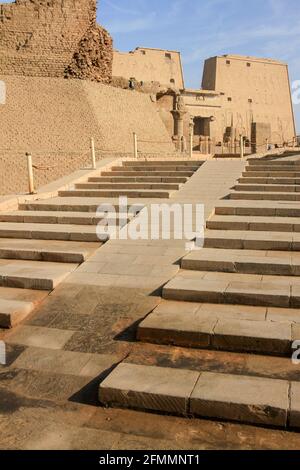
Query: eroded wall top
[150,65]
[54,38]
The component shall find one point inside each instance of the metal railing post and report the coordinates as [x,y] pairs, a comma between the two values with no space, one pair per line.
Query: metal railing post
[135,146]
[93,154]
[30,173]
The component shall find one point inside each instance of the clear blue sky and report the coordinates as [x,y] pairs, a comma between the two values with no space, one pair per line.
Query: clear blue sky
[204,28]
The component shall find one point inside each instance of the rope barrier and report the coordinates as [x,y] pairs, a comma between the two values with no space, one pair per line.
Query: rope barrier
[137,153]
[154,142]
[36,167]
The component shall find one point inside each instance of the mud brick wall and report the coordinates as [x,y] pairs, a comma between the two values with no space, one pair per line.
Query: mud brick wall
[54,38]
[54,119]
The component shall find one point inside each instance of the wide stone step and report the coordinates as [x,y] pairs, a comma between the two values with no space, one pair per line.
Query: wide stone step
[243,261]
[274,167]
[250,240]
[159,194]
[205,326]
[17,304]
[185,163]
[137,179]
[271,174]
[69,218]
[245,289]
[156,168]
[265,196]
[126,186]
[42,250]
[162,174]
[82,233]
[33,274]
[273,188]
[277,162]
[73,204]
[255,223]
[258,208]
[244,399]
[270,180]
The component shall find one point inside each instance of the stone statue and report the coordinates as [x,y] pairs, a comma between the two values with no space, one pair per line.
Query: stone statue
[181,104]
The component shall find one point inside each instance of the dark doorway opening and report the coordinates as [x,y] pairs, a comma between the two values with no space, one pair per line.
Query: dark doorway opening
[202,126]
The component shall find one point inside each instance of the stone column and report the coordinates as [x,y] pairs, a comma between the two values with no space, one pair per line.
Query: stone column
[178,113]
[179,116]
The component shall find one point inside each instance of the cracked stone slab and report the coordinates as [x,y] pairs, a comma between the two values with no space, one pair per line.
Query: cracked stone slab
[239,398]
[150,388]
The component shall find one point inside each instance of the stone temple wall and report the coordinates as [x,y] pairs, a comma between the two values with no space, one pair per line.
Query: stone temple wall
[54,38]
[54,119]
[43,42]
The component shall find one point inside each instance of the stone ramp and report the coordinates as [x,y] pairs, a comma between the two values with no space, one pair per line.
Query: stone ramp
[58,356]
[44,241]
[239,294]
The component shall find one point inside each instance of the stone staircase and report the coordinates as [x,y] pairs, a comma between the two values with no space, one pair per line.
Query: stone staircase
[143,179]
[240,294]
[43,241]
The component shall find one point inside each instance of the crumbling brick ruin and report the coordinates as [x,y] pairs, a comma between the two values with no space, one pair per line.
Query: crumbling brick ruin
[54,38]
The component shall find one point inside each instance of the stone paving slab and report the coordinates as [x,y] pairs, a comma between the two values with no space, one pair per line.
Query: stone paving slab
[239,240]
[272,188]
[64,362]
[213,329]
[264,196]
[294,417]
[62,217]
[233,288]
[73,427]
[66,204]
[283,315]
[266,180]
[230,312]
[243,261]
[82,233]
[13,312]
[35,336]
[222,396]
[33,274]
[271,174]
[237,398]
[189,330]
[152,388]
[257,208]
[276,224]
[127,186]
[140,193]
[44,250]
